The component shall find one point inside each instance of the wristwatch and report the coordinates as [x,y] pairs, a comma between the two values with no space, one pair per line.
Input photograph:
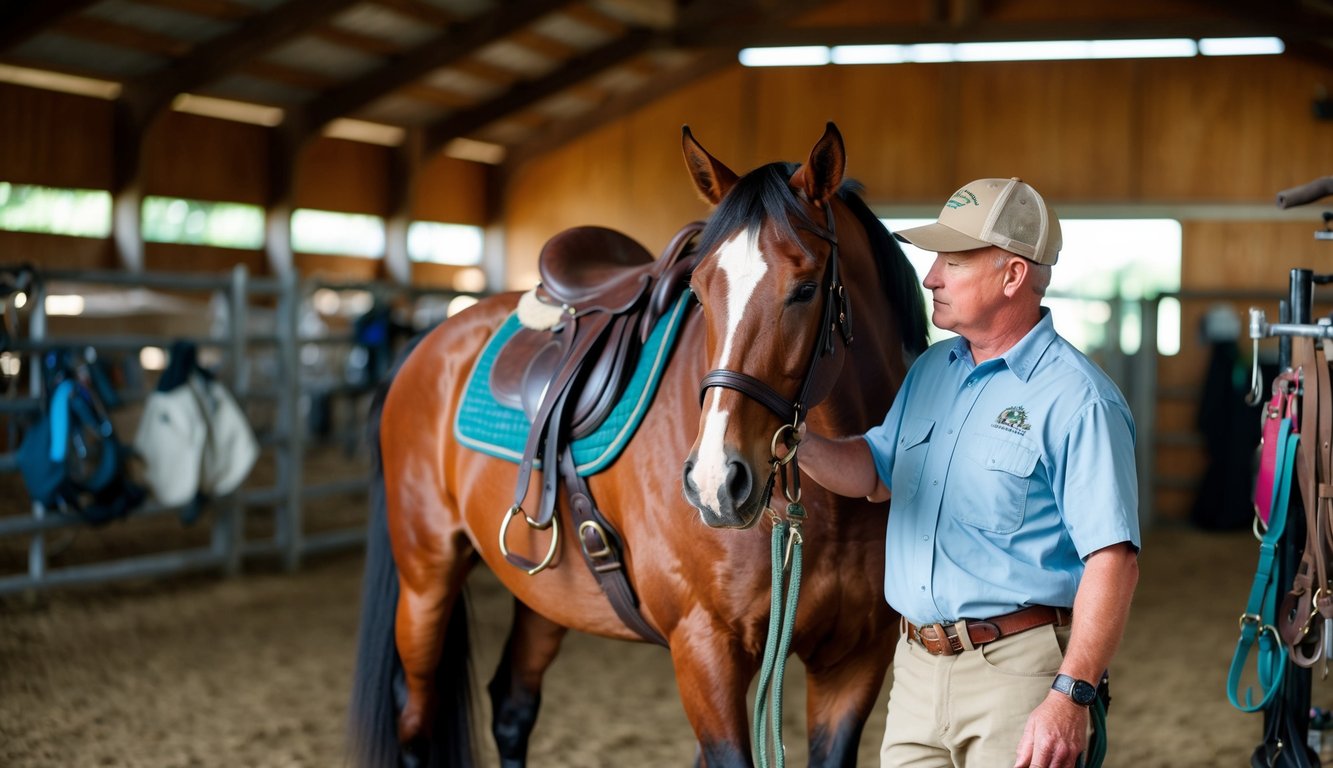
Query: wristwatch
[1081,692]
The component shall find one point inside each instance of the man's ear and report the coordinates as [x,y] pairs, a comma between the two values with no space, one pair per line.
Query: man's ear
[1016,272]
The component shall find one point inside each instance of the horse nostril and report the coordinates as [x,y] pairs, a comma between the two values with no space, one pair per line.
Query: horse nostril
[738,481]
[685,479]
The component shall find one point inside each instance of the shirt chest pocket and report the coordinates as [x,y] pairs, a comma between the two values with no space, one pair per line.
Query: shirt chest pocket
[910,461]
[1000,474]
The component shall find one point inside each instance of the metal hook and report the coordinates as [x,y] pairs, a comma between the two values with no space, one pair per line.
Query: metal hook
[1256,393]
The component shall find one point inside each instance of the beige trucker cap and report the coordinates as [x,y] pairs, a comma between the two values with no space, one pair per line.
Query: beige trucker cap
[1003,212]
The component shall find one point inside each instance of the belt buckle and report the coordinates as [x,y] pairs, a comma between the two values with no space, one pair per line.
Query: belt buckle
[943,638]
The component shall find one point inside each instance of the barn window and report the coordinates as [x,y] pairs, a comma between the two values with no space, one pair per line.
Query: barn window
[340,234]
[197,222]
[435,243]
[54,211]
[1106,268]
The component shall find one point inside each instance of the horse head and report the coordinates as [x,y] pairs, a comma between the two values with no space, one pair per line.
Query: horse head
[775,311]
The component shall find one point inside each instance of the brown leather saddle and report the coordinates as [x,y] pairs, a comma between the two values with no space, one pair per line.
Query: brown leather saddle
[568,378]
[613,293]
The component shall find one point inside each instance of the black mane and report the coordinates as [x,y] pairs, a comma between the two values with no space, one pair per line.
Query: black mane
[765,194]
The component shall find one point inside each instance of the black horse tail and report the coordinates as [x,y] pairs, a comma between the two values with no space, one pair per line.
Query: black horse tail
[378,688]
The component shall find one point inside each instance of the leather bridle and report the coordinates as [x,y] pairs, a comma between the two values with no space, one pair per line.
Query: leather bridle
[836,315]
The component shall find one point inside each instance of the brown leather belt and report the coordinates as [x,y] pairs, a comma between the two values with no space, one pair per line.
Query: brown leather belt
[943,639]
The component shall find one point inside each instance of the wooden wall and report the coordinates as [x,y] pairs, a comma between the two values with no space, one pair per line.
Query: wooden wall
[55,139]
[1164,135]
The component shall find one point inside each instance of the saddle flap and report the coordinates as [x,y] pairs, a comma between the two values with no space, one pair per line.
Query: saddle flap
[531,359]
[524,366]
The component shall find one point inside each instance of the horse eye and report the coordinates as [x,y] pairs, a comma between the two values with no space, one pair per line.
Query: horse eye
[804,293]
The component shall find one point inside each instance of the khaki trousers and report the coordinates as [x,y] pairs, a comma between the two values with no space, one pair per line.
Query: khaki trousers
[969,709]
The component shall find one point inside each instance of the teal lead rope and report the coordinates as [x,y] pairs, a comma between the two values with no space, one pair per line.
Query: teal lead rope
[786,550]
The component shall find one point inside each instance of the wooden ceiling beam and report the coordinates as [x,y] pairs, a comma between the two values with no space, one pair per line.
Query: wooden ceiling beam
[523,95]
[107,32]
[484,70]
[285,75]
[706,62]
[438,97]
[448,48]
[375,46]
[562,132]
[22,19]
[554,50]
[591,18]
[229,52]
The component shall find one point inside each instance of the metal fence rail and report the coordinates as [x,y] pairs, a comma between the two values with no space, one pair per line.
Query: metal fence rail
[286,394]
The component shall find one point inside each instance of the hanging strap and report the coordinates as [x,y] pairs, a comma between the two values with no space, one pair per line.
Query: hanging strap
[786,544]
[1257,624]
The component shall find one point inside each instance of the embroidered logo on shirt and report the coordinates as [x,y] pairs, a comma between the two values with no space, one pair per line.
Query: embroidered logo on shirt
[1013,419]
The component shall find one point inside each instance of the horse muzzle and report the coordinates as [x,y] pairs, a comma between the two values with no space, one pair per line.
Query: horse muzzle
[724,492]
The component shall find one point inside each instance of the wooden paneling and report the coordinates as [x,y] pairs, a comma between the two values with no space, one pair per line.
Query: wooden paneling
[54,139]
[350,268]
[346,176]
[56,251]
[203,158]
[452,191]
[171,257]
[900,147]
[439,275]
[1236,129]
[1067,129]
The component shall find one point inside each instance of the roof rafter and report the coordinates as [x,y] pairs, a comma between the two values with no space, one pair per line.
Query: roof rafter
[565,131]
[454,44]
[212,59]
[523,95]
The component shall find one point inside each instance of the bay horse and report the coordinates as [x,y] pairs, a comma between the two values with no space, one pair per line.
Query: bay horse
[684,499]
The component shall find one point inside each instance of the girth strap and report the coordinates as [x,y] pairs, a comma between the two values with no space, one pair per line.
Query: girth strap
[601,548]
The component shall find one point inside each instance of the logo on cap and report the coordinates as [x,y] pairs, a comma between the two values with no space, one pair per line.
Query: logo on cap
[961,198]
[1013,419]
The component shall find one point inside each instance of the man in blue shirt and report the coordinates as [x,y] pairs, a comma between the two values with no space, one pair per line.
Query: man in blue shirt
[1013,536]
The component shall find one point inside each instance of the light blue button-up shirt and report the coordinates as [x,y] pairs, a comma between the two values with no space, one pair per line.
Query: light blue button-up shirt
[1005,475]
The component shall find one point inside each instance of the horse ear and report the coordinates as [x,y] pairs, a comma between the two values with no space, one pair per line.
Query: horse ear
[713,179]
[821,175]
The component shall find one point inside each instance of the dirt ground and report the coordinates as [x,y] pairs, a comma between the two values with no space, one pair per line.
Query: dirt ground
[254,671]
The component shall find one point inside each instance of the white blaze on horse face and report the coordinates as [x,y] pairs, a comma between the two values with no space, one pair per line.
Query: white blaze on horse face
[743,266]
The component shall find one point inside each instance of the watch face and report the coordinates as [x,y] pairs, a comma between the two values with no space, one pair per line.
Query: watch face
[1083,693]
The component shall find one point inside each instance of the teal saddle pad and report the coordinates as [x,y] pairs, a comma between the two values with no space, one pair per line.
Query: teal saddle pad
[497,430]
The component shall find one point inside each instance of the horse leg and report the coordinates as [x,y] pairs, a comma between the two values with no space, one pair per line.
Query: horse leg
[840,696]
[434,659]
[713,674]
[516,689]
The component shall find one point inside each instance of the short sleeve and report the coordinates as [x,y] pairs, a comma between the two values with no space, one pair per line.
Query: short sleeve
[1095,479]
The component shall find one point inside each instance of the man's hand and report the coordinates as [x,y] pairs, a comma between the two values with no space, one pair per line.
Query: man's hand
[1056,734]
